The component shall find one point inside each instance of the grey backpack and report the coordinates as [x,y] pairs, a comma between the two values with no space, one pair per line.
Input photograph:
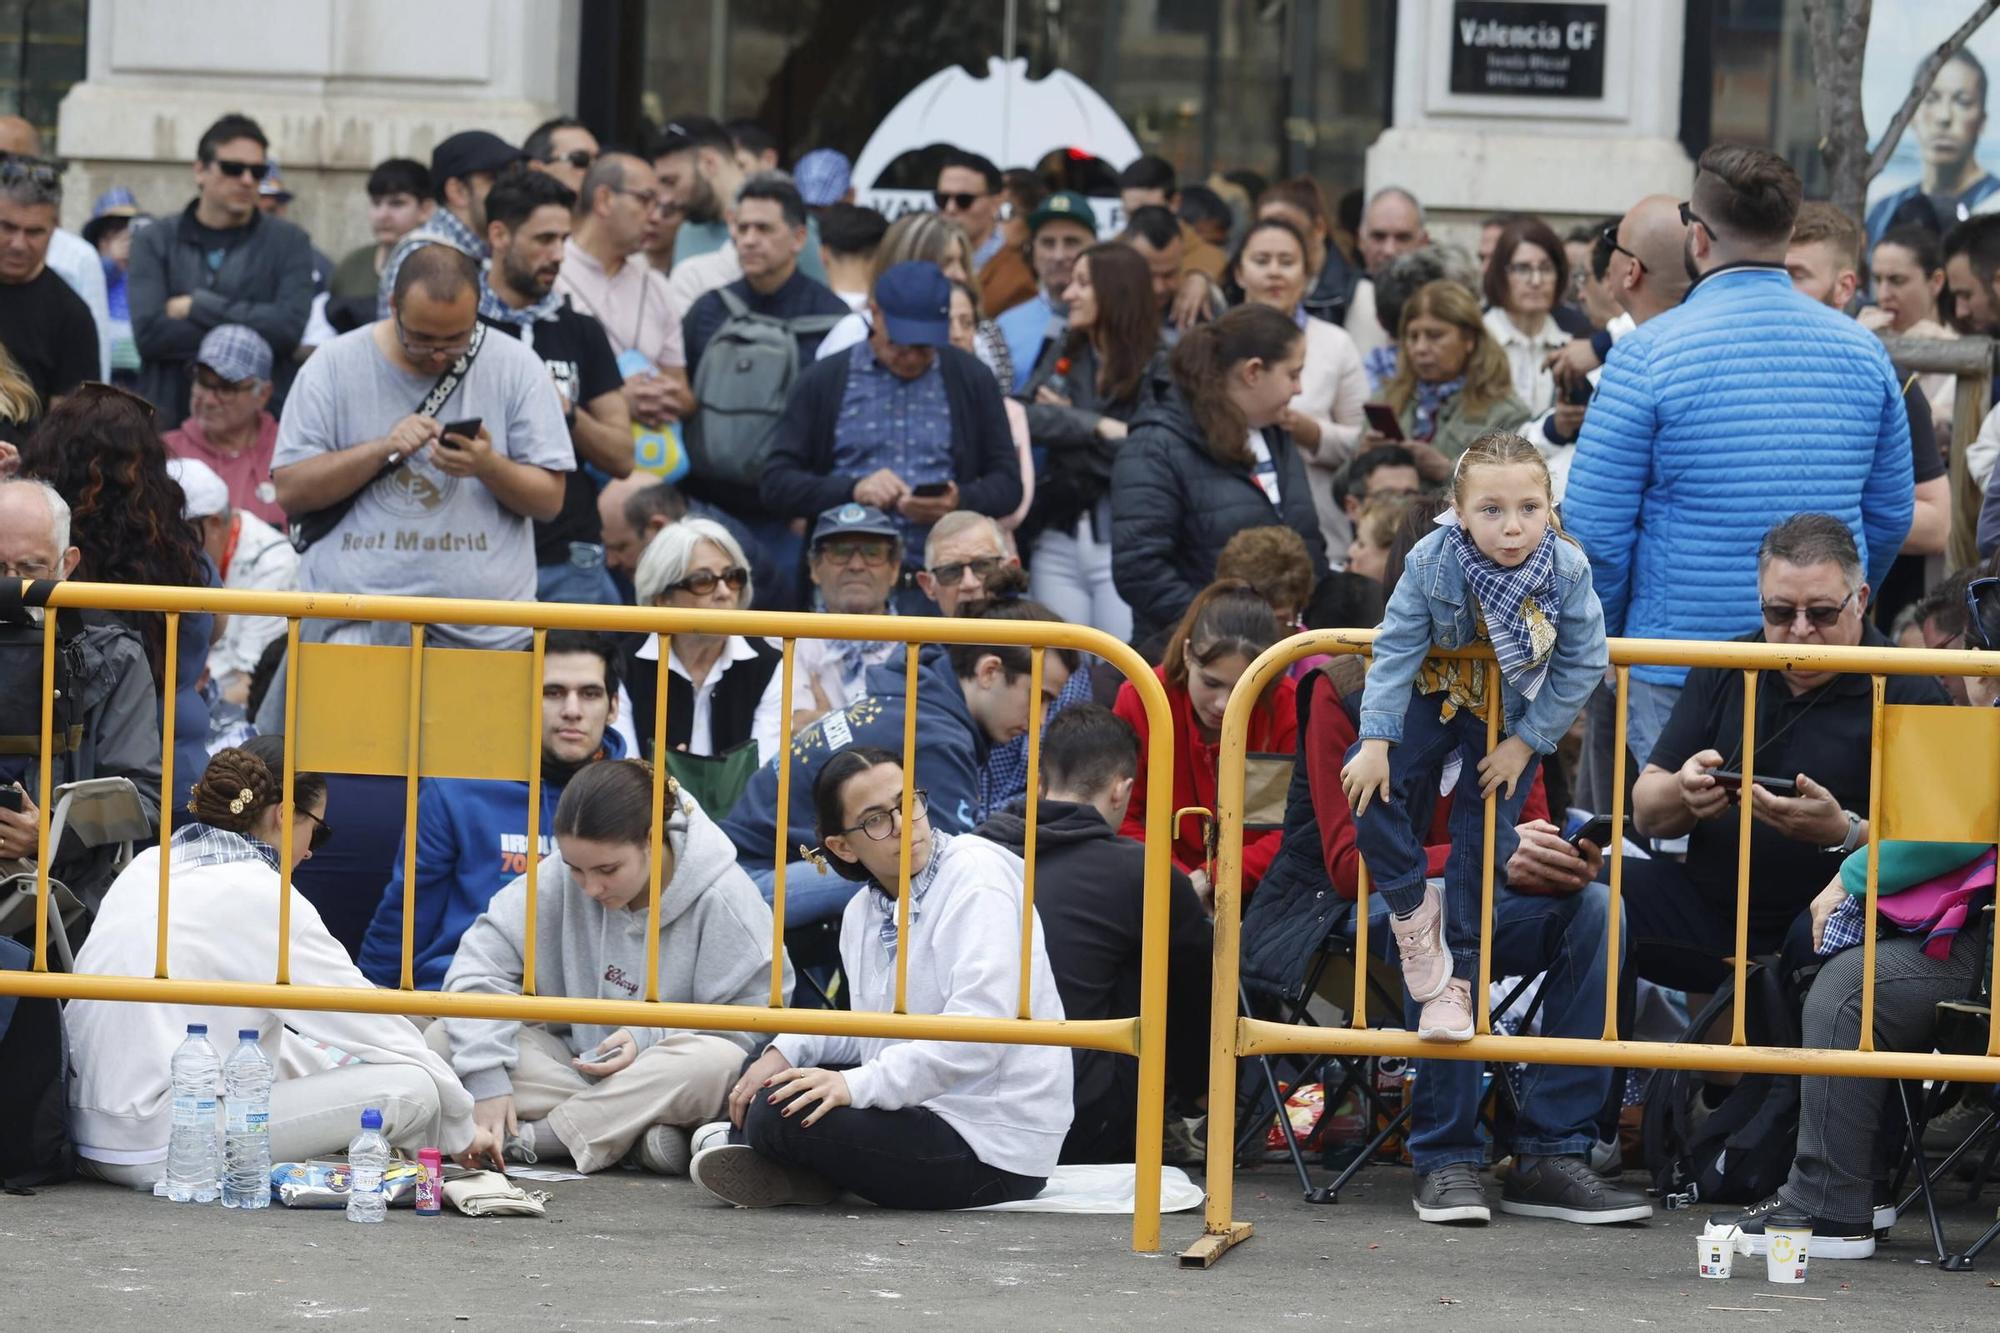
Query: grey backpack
[740,387]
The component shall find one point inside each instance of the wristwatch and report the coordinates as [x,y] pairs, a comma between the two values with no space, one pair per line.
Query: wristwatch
[1853,838]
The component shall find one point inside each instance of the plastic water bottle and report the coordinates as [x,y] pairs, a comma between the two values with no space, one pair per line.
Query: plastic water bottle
[367,1159]
[246,1145]
[194,1152]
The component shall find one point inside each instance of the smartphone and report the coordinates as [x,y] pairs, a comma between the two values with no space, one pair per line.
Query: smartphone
[1731,780]
[1596,830]
[466,429]
[1578,394]
[930,490]
[12,798]
[600,1055]
[1382,418]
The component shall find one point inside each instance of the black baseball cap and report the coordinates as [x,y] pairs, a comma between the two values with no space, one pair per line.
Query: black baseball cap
[471,151]
[683,133]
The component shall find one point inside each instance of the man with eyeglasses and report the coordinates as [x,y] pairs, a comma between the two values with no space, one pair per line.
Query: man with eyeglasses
[564,148]
[968,192]
[431,513]
[228,428]
[855,561]
[463,168]
[44,325]
[222,261]
[1805,784]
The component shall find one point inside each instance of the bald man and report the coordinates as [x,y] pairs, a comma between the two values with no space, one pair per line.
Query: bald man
[1391,225]
[1646,277]
[70,257]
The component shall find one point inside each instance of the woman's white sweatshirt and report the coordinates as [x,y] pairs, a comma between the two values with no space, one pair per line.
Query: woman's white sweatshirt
[1011,1104]
[222,925]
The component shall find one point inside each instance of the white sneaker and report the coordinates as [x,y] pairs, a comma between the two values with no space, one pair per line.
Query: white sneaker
[738,1174]
[662,1150]
[710,1135]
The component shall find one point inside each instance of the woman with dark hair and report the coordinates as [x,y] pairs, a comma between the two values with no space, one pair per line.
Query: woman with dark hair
[902,1123]
[1906,269]
[586,1092]
[99,446]
[1224,630]
[1525,281]
[1207,460]
[1082,396]
[222,926]
[1452,383]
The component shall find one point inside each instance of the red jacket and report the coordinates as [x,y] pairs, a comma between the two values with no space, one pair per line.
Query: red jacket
[1329,736]
[1274,727]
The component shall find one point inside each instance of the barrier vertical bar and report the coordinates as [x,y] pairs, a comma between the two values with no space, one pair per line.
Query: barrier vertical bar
[1616,852]
[532,871]
[1880,692]
[292,687]
[412,764]
[656,844]
[170,683]
[1032,809]
[1748,767]
[1482,1010]
[909,799]
[784,822]
[44,854]
[1358,1016]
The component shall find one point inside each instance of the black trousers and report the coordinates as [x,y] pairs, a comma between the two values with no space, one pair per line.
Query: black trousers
[1677,938]
[894,1159]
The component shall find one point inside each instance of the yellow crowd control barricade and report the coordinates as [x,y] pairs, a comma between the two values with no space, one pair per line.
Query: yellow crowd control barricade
[1935,775]
[420,711]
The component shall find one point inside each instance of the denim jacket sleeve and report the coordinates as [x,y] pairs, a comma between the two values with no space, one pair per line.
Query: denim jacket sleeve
[1400,647]
[1577,664]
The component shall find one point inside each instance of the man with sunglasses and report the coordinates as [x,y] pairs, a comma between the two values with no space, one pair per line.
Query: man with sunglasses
[222,261]
[229,428]
[44,325]
[969,193]
[563,148]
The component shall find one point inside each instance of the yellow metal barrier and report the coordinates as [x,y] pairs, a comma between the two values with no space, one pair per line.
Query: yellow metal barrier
[1908,799]
[340,717]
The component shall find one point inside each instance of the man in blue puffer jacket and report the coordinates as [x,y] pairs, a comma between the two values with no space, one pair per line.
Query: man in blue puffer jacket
[1747,404]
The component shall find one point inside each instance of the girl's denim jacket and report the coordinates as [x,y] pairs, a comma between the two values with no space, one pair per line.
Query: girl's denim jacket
[1433,604]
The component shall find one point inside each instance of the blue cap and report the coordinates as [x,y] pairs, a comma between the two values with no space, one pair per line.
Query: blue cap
[116,204]
[371,1119]
[823,176]
[197,1029]
[273,184]
[915,298]
[851,519]
[236,352]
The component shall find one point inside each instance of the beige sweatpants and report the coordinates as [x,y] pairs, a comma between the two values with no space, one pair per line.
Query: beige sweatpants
[683,1080]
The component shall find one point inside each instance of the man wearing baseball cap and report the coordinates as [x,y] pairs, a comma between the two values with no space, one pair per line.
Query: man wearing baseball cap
[1061,228]
[228,427]
[904,422]
[463,169]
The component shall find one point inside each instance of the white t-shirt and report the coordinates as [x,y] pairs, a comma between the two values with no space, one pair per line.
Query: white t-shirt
[1263,466]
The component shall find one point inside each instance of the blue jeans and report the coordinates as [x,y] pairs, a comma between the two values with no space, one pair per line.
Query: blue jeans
[810,897]
[1390,836]
[581,578]
[1646,717]
[1562,936]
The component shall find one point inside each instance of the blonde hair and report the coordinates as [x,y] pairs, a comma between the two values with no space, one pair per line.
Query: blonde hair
[1488,378]
[929,238]
[1503,448]
[1380,520]
[19,403]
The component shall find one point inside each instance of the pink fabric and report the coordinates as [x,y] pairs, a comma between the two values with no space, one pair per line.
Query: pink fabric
[1939,906]
[247,474]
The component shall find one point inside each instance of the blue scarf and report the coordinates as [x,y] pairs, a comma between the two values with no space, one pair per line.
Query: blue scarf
[496,311]
[1432,399]
[920,884]
[1519,604]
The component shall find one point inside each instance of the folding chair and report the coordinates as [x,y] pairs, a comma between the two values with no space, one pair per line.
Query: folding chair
[101,812]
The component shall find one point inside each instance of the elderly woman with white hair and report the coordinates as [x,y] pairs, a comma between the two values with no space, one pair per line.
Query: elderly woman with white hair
[722,689]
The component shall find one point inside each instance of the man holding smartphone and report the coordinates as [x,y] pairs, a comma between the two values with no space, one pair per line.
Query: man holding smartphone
[417,508]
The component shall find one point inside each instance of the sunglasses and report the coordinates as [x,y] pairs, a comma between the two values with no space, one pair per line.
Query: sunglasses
[873,552]
[1980,591]
[1689,217]
[580,158]
[256,171]
[960,200]
[322,833]
[1776,614]
[15,168]
[99,389]
[214,383]
[1610,238]
[982,568]
[702,582]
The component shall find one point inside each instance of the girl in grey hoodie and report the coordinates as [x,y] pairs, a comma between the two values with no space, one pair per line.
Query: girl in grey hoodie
[590,1093]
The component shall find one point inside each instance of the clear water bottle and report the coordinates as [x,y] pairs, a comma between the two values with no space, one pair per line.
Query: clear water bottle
[246,1144]
[194,1152]
[367,1159]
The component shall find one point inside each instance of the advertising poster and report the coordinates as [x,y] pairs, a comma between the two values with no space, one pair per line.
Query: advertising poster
[1948,157]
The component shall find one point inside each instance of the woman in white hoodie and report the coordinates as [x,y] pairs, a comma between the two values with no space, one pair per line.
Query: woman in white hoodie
[594,1094]
[222,925]
[903,1124]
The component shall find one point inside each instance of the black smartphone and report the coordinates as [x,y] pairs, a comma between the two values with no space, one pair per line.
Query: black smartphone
[1578,394]
[1596,830]
[466,429]
[1382,418]
[12,798]
[1731,780]
[930,490]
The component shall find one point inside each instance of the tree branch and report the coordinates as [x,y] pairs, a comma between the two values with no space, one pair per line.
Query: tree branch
[1921,84]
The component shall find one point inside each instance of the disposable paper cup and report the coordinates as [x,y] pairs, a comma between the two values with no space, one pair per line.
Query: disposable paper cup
[1715,1254]
[1788,1235]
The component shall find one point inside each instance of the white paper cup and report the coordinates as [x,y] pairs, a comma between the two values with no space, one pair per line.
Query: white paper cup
[1715,1254]
[1785,1257]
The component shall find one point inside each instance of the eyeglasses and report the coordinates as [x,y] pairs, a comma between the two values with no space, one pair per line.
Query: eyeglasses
[31,572]
[322,833]
[214,383]
[1977,591]
[423,346]
[255,170]
[983,569]
[1777,614]
[702,582]
[873,554]
[14,168]
[99,389]
[1689,217]
[959,199]
[648,199]
[580,158]
[1532,272]
[881,825]
[1610,237]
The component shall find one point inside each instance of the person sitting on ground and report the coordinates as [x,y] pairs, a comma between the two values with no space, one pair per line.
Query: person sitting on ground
[855,562]
[1003,779]
[588,1092]
[1090,892]
[1223,631]
[222,926]
[472,834]
[904,1124]
[1452,382]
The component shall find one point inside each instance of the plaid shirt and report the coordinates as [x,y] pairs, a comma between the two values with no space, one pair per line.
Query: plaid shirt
[1004,779]
[198,844]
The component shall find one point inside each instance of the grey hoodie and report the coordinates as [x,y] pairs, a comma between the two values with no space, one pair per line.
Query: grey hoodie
[715,948]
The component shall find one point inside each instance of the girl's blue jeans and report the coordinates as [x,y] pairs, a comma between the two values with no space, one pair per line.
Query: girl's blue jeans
[1390,836]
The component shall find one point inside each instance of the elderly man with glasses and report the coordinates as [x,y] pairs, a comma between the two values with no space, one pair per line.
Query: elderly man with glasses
[229,426]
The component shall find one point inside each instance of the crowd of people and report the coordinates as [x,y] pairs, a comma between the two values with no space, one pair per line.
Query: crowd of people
[674,375]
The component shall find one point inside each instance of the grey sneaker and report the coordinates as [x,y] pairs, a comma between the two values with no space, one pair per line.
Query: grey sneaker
[1607,1158]
[1179,1146]
[1420,944]
[1565,1188]
[663,1150]
[737,1173]
[1452,1194]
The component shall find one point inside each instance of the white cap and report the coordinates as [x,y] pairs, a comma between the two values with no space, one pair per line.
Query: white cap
[206,494]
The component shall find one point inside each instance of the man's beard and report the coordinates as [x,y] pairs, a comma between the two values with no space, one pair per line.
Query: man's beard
[1687,257]
[525,281]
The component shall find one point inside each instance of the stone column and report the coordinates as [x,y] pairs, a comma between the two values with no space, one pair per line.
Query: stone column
[338,85]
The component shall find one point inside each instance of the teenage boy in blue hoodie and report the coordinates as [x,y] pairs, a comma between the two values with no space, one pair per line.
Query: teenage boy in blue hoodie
[472,833]
[970,697]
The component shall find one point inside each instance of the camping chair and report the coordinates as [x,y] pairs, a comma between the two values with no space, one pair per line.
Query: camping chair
[101,812]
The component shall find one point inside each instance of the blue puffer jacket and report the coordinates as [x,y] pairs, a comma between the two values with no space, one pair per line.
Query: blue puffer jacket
[1744,406]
